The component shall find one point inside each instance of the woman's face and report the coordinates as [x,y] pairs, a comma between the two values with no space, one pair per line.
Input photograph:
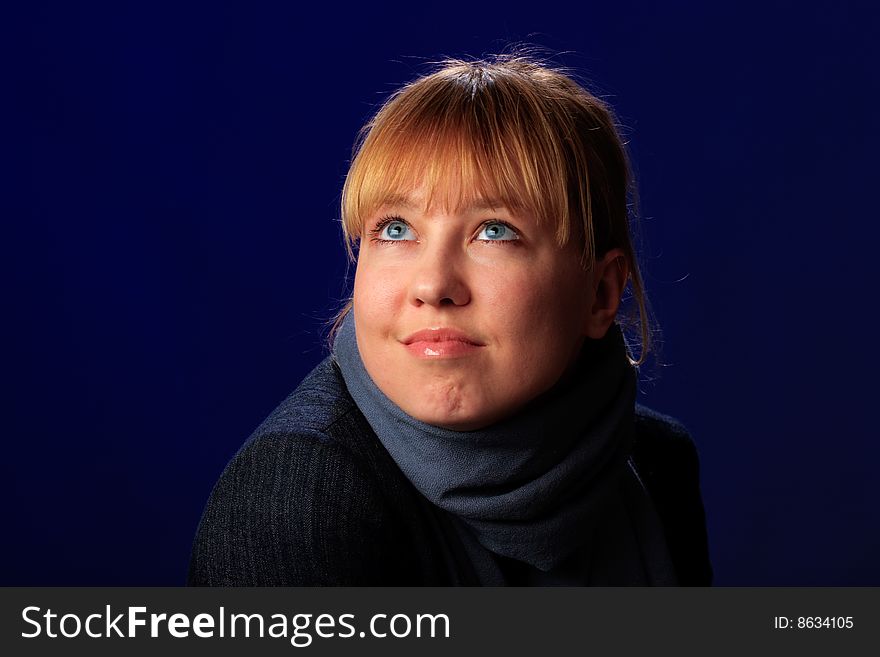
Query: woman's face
[463,318]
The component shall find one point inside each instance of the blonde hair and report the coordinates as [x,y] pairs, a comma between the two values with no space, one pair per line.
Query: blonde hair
[510,129]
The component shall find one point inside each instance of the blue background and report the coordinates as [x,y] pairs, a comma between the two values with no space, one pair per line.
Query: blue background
[172,253]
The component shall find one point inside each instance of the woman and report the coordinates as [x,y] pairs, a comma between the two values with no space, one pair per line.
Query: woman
[476,422]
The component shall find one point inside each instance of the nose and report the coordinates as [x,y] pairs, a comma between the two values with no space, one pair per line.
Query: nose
[438,280]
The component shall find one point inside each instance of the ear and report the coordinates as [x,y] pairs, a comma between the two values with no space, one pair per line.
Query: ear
[608,280]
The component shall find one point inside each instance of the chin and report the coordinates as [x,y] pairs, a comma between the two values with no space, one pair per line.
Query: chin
[455,419]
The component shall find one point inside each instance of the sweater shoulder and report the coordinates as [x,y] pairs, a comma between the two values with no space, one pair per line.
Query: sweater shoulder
[316,404]
[658,429]
[320,412]
[304,501]
[663,447]
[667,461]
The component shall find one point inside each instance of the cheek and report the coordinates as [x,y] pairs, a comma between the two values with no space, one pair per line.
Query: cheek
[376,296]
[534,304]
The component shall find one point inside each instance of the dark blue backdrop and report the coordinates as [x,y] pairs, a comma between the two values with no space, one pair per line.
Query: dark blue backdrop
[174,253]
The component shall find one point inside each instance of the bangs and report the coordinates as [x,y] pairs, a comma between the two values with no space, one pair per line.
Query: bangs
[452,147]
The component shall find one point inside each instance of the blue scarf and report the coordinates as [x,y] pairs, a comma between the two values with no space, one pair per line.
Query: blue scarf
[551,486]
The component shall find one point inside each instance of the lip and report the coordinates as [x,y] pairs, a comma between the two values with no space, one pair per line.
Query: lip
[441,342]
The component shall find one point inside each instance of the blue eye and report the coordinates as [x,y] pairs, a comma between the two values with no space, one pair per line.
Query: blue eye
[496,231]
[396,231]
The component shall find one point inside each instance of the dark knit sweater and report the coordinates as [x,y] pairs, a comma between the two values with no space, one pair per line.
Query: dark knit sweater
[313,498]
